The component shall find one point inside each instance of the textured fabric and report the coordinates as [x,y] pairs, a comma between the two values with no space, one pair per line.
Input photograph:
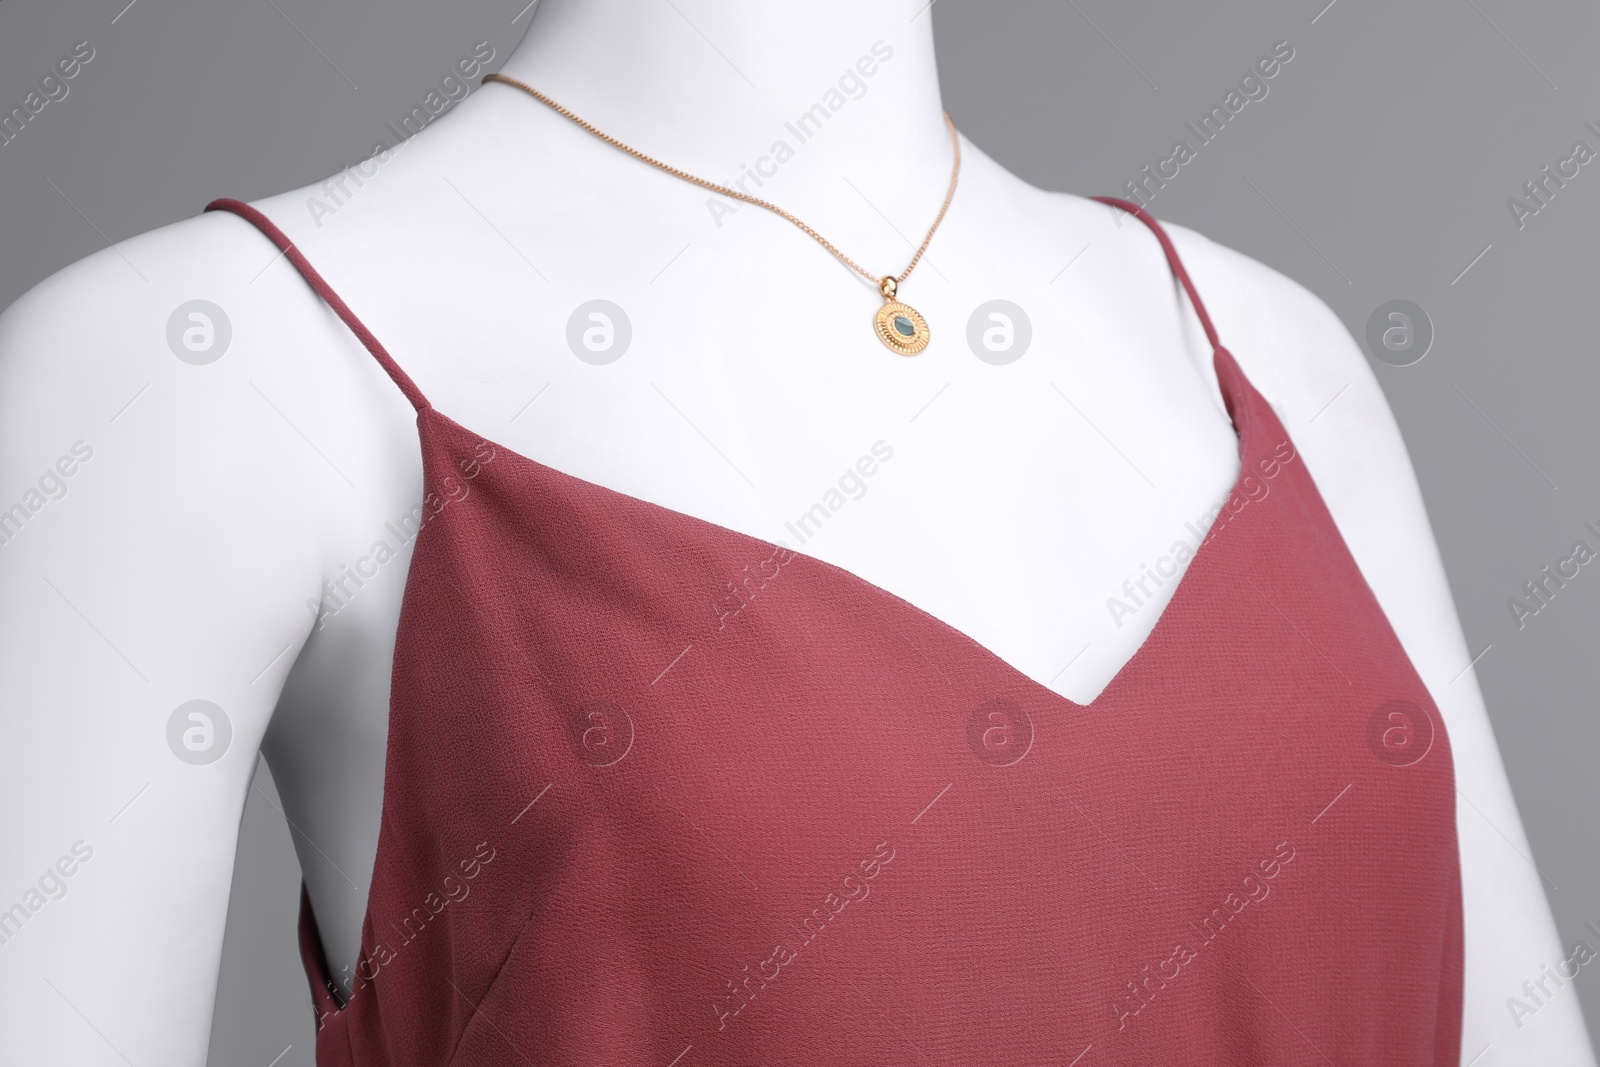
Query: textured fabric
[659,793]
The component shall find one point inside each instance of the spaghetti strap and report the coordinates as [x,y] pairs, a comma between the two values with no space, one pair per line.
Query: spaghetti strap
[324,290]
[1172,260]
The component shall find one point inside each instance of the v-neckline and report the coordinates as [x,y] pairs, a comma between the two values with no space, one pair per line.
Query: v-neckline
[1237,394]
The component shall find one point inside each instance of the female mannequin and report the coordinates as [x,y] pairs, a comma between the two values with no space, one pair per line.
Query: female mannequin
[229,494]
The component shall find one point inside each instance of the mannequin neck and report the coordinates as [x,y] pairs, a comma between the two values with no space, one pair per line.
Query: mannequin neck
[712,86]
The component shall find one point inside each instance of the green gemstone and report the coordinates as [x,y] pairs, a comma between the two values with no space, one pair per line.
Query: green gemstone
[904,326]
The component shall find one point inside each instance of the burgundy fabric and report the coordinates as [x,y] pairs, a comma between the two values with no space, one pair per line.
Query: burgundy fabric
[659,793]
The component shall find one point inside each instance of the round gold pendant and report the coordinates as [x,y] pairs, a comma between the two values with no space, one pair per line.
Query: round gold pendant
[901,327]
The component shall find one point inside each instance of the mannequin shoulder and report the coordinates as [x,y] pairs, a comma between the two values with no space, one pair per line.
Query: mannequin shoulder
[1288,340]
[1300,356]
[113,307]
[197,321]
[190,350]
[1291,344]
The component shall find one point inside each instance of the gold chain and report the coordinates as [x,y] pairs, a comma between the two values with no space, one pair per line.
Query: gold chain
[886,284]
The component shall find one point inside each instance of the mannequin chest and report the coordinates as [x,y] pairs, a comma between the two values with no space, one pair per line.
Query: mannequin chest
[1057,438]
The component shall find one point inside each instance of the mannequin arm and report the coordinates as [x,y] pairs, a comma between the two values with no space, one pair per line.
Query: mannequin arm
[153,558]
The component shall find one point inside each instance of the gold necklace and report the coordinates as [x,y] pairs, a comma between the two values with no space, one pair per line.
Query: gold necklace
[898,325]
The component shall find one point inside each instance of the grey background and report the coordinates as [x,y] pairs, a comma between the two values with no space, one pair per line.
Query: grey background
[1377,168]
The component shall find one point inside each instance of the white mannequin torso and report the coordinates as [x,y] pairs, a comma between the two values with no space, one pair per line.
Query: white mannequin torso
[1018,500]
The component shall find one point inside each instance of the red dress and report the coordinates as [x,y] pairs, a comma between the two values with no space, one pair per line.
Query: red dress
[625,824]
